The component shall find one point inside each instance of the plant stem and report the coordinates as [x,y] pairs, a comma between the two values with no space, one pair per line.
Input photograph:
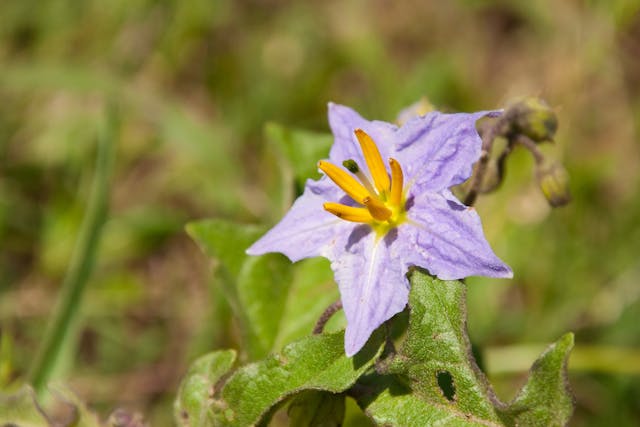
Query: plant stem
[57,335]
[488,136]
[326,315]
[530,145]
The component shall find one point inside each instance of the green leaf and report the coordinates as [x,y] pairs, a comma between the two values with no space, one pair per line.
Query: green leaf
[276,302]
[256,287]
[545,399]
[314,363]
[388,401]
[312,291]
[300,149]
[225,241]
[434,378]
[21,409]
[316,409]
[193,405]
[437,343]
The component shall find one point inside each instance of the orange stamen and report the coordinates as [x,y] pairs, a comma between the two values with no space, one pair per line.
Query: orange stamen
[377,209]
[374,162]
[345,181]
[348,213]
[397,181]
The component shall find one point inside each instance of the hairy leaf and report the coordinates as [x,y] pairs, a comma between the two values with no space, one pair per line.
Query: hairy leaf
[193,405]
[388,401]
[314,363]
[434,379]
[545,399]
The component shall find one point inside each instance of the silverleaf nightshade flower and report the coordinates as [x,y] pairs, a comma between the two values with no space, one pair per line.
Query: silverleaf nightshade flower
[374,221]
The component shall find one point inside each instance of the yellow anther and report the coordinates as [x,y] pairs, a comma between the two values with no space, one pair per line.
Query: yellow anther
[377,209]
[345,181]
[348,213]
[374,162]
[397,181]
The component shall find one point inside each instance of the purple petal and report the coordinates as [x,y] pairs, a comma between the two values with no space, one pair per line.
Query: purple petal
[372,283]
[448,239]
[307,230]
[344,121]
[438,150]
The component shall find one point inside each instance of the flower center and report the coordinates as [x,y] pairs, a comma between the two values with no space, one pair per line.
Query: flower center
[383,202]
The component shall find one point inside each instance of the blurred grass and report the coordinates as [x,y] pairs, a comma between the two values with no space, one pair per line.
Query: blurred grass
[196,82]
[60,334]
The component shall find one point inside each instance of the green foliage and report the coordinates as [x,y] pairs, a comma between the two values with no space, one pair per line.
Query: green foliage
[193,407]
[389,401]
[545,399]
[314,363]
[60,333]
[274,301]
[437,343]
[256,287]
[316,408]
[432,378]
[300,149]
[21,409]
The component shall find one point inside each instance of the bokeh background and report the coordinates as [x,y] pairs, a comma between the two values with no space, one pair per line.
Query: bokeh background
[195,82]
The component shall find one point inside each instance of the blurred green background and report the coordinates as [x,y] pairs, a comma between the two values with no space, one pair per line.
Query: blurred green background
[195,82]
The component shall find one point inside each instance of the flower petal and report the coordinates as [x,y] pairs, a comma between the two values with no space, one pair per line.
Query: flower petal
[372,281]
[344,121]
[307,230]
[448,239]
[438,150]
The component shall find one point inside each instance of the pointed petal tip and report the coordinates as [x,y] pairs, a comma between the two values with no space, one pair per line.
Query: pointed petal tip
[350,349]
[253,250]
[340,109]
[501,271]
[504,272]
[331,106]
[354,340]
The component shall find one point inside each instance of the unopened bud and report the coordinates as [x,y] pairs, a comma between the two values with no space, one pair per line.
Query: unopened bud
[419,108]
[534,118]
[553,180]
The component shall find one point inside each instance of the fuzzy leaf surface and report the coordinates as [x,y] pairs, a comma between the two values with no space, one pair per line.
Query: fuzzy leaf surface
[434,378]
[193,405]
[545,399]
[313,363]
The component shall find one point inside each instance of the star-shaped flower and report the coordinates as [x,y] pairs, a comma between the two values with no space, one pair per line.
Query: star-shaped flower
[374,222]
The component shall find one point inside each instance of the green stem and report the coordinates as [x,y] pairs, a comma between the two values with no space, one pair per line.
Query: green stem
[57,335]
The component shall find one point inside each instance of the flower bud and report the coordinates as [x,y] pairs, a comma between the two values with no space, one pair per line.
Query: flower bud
[553,180]
[534,118]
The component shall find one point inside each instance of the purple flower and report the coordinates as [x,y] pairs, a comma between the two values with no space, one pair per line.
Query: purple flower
[374,222]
